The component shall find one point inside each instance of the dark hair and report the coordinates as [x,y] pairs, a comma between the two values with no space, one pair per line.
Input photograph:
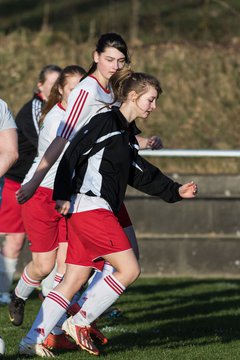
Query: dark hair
[126,80]
[110,40]
[55,95]
[46,70]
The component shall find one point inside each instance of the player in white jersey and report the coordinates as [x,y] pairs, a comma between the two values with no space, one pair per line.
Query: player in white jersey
[87,99]
[46,230]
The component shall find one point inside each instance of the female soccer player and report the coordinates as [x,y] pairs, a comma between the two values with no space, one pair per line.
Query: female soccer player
[45,227]
[85,101]
[91,181]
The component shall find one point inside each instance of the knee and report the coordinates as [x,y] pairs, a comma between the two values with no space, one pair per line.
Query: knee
[132,274]
[42,268]
[12,245]
[136,272]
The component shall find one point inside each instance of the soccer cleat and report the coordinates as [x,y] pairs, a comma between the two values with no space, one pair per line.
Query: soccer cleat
[81,335]
[16,310]
[59,342]
[96,333]
[34,349]
[112,313]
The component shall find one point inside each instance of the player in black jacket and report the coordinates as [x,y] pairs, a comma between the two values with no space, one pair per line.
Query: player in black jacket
[103,158]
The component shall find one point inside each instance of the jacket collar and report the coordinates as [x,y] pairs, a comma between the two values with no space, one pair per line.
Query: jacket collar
[124,124]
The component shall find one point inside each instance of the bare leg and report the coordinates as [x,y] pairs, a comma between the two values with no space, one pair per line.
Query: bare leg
[8,261]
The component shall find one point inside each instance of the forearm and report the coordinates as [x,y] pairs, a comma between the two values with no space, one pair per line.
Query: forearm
[50,157]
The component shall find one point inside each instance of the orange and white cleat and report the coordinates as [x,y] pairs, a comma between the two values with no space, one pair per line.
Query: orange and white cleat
[59,342]
[81,335]
[96,333]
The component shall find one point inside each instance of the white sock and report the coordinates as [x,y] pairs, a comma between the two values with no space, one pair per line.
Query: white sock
[25,286]
[52,309]
[108,269]
[58,327]
[57,279]
[7,269]
[47,283]
[106,292]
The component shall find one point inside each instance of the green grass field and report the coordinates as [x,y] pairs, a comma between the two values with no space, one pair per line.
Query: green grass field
[162,319]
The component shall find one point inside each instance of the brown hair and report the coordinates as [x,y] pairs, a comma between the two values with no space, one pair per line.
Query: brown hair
[126,80]
[46,70]
[55,95]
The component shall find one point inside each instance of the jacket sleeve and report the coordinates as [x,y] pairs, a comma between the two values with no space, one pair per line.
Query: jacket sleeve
[83,144]
[150,180]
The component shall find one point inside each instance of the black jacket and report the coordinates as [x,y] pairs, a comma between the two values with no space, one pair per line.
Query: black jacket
[104,155]
[27,126]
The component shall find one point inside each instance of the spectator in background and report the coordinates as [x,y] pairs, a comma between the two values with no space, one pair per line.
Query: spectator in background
[10,213]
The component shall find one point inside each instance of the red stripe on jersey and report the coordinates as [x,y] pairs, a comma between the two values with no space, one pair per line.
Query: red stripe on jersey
[58,299]
[68,122]
[29,281]
[79,109]
[74,114]
[112,283]
[85,95]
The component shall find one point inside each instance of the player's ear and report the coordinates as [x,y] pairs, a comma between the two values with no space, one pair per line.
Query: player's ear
[96,57]
[132,95]
[40,86]
[60,90]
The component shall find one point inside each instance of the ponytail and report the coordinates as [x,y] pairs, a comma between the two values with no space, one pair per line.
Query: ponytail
[125,80]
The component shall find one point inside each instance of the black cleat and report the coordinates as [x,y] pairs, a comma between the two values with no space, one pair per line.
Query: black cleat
[16,310]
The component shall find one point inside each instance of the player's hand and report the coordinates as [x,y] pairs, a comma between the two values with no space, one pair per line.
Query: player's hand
[154,143]
[62,206]
[188,191]
[25,192]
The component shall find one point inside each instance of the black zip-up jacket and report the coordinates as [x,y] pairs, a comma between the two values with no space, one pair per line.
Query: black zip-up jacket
[104,156]
[27,126]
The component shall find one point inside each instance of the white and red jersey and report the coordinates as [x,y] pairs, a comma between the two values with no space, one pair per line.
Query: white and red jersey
[86,100]
[46,136]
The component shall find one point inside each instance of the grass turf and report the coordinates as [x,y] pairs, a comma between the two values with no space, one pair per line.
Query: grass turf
[162,319]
